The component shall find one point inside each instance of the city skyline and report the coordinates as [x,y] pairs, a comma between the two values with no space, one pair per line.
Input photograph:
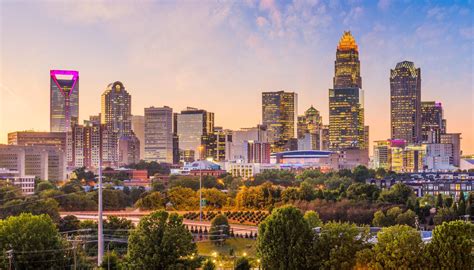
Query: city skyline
[214,86]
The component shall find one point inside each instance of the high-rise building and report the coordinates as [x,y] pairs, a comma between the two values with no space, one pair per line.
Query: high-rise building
[219,144]
[23,138]
[116,107]
[405,102]
[64,100]
[455,140]
[193,126]
[87,145]
[258,152]
[382,155]
[129,150]
[241,137]
[45,162]
[279,115]
[138,127]
[346,99]
[159,134]
[432,122]
[309,129]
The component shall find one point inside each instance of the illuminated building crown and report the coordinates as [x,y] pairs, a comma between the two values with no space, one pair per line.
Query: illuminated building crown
[347,42]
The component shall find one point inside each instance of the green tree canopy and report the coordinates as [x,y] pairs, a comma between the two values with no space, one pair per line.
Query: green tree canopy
[313,219]
[242,263]
[152,201]
[362,191]
[397,194]
[34,242]
[398,247]
[284,239]
[452,245]
[160,240]
[338,244]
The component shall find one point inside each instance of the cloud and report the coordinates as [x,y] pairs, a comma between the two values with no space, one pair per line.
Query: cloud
[354,14]
[261,21]
[384,4]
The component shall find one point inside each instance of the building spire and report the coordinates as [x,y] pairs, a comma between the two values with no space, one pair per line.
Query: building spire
[347,42]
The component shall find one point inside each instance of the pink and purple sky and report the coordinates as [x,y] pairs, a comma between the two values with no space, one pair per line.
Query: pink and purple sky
[220,55]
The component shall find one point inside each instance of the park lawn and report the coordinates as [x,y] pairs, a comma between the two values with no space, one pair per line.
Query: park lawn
[239,245]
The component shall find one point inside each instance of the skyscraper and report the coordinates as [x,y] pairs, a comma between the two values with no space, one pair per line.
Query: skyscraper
[138,127]
[279,115]
[116,109]
[309,127]
[159,134]
[193,127]
[432,122]
[64,100]
[405,102]
[346,99]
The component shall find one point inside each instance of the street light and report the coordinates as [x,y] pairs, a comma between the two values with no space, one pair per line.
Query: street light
[200,184]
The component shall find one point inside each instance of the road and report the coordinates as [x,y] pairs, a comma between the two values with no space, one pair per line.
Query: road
[135,217]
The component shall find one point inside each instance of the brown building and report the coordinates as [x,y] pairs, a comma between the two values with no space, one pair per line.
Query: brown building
[25,138]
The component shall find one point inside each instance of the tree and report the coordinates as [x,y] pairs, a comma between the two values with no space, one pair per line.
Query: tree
[338,244]
[160,240]
[111,261]
[444,214]
[397,247]
[208,265]
[183,198]
[397,194]
[242,263]
[451,246]
[281,245]
[31,205]
[152,201]
[69,224]
[34,242]
[215,199]
[361,173]
[394,216]
[362,191]
[219,230]
[439,201]
[313,219]
[44,185]
[306,192]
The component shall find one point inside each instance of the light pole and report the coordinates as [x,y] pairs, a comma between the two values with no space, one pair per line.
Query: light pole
[200,184]
[100,236]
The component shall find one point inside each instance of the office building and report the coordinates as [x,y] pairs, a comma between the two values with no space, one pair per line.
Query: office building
[382,155]
[455,140]
[87,144]
[258,152]
[25,183]
[23,138]
[324,138]
[405,102]
[129,150]
[279,115]
[438,157]
[45,162]
[193,127]
[346,99]
[219,144]
[159,134]
[64,100]
[309,128]
[116,107]
[241,137]
[432,122]
[138,127]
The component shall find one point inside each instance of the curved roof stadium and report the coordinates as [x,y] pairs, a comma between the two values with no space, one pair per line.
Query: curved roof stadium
[302,154]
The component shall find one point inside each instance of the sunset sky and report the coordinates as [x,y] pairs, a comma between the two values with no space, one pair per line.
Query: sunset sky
[220,55]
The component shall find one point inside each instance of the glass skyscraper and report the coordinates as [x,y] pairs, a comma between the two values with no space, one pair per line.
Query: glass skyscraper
[279,115]
[117,109]
[193,128]
[346,99]
[159,134]
[64,100]
[405,102]
[432,122]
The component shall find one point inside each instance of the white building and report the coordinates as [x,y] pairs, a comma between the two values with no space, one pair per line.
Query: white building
[26,183]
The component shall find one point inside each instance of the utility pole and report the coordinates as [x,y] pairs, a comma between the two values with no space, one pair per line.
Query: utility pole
[10,259]
[100,235]
[200,183]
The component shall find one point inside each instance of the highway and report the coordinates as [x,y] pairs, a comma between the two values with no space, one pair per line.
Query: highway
[135,217]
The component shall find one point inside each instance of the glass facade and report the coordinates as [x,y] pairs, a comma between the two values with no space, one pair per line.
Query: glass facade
[64,100]
[346,99]
[117,109]
[159,134]
[405,102]
[279,115]
[193,128]
[432,122]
